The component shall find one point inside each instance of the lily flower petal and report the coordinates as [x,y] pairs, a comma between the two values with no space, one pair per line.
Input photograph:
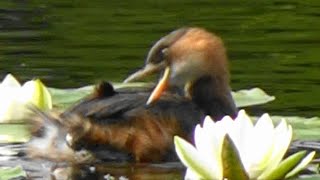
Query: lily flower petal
[10,81]
[284,167]
[305,161]
[283,135]
[195,161]
[36,93]
[190,175]
[15,97]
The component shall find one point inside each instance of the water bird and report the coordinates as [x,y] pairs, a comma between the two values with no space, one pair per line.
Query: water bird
[138,126]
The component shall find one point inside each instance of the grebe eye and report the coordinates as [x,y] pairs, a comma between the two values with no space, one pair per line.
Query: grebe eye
[160,56]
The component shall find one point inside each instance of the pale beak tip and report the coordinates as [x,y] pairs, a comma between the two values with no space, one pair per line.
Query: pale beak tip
[150,100]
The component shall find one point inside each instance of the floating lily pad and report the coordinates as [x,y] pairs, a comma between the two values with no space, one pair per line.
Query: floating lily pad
[303,128]
[7,173]
[250,97]
[309,177]
[13,133]
[63,98]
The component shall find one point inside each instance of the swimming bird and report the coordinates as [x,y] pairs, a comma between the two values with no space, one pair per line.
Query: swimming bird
[139,126]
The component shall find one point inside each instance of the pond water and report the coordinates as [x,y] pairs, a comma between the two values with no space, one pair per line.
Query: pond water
[272,44]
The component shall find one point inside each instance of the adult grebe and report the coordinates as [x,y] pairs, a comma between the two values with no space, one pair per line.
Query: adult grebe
[139,127]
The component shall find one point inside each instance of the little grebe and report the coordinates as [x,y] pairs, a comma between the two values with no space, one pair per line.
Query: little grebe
[137,126]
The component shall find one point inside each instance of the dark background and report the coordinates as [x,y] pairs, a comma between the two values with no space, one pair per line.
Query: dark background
[272,44]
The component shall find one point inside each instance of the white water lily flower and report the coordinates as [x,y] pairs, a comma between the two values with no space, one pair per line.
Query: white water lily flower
[15,97]
[260,147]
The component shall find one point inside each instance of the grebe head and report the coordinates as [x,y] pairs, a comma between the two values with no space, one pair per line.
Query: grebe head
[194,60]
[157,58]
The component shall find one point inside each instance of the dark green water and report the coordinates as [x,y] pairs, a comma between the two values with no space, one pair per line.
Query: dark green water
[271,44]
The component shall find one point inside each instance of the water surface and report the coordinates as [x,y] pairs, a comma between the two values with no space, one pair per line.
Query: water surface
[271,44]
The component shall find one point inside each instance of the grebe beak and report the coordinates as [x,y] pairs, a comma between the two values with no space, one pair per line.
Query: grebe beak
[147,70]
[161,86]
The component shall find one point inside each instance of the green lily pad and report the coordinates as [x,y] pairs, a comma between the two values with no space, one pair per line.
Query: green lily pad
[7,173]
[63,98]
[303,128]
[13,133]
[250,97]
[308,177]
